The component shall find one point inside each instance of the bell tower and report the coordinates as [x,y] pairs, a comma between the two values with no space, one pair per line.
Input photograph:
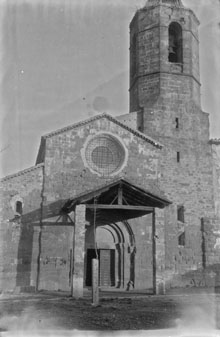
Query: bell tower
[164,54]
[165,97]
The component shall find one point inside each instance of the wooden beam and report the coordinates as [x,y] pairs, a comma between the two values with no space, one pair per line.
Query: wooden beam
[121,207]
[112,202]
[50,223]
[120,195]
[125,200]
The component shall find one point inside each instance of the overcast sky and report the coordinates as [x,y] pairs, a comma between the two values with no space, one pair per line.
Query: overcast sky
[66,60]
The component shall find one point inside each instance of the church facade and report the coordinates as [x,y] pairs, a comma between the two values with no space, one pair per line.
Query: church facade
[140,192]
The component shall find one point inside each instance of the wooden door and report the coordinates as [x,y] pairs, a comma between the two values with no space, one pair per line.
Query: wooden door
[107,268]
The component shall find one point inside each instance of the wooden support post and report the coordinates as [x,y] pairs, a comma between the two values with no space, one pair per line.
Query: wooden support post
[95,282]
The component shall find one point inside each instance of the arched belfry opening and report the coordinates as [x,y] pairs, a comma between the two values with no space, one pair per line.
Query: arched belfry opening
[175,43]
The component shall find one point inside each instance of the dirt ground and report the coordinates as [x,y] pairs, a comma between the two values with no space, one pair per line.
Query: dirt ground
[60,312]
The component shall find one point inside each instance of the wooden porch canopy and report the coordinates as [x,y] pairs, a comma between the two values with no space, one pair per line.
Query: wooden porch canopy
[117,201]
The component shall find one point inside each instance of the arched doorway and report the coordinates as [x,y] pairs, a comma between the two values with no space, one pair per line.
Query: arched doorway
[114,246]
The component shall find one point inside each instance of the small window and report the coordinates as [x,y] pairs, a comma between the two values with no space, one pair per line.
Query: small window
[19,207]
[177,123]
[178,157]
[175,43]
[140,128]
[181,239]
[180,213]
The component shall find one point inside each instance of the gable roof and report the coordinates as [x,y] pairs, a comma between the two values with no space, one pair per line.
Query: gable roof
[103,203]
[41,151]
[135,194]
[110,118]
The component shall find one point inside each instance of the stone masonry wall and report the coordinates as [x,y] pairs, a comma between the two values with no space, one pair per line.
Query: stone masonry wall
[56,255]
[211,250]
[216,174]
[187,182]
[66,175]
[142,229]
[18,238]
[133,120]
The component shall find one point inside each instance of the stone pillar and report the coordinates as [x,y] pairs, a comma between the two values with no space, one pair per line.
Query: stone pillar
[95,281]
[159,251]
[78,251]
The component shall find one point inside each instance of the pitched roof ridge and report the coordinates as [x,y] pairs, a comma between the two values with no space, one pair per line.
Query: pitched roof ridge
[109,117]
[74,125]
[19,173]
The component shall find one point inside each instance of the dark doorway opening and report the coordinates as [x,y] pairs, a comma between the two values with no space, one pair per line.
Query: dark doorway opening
[106,259]
[91,254]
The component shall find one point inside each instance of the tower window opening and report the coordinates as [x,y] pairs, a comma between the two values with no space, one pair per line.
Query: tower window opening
[19,207]
[133,55]
[177,123]
[175,43]
[180,213]
[178,157]
[181,239]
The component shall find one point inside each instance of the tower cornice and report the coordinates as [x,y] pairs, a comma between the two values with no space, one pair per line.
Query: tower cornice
[163,4]
[177,3]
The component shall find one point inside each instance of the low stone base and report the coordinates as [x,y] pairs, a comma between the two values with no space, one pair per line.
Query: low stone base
[26,289]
